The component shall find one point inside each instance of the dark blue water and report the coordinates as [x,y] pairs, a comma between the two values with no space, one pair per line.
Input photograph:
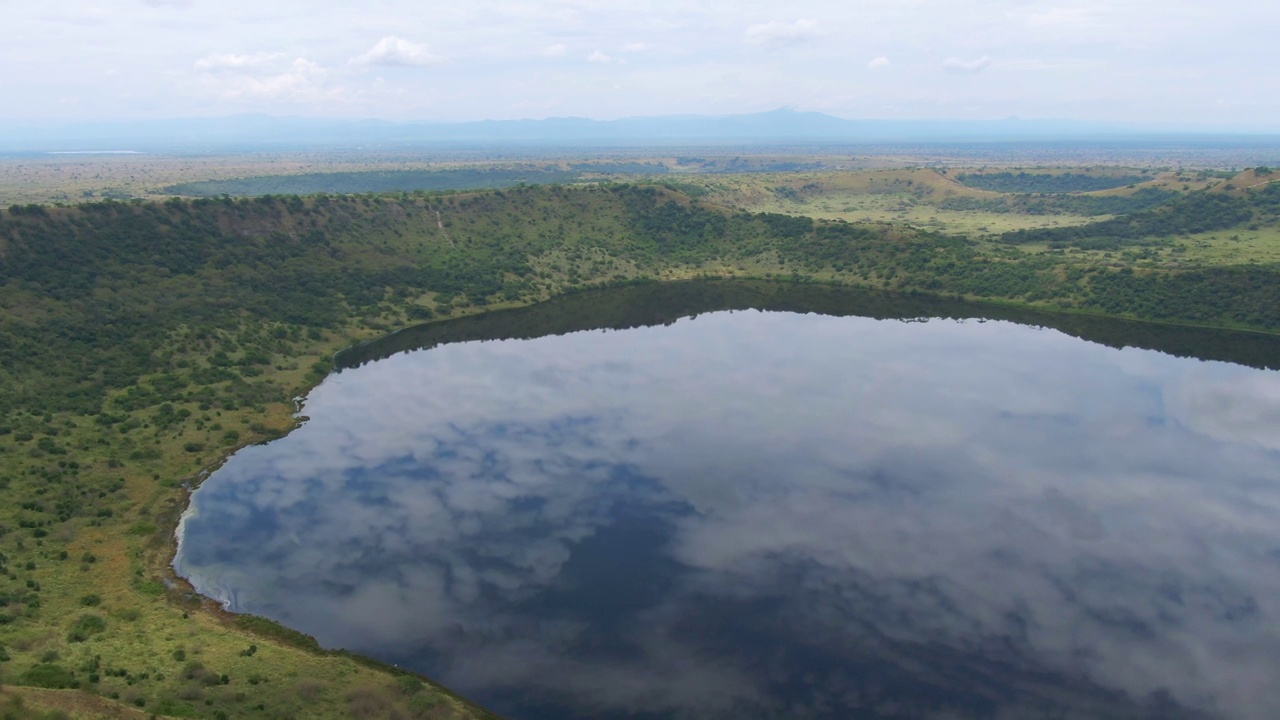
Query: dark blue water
[768,514]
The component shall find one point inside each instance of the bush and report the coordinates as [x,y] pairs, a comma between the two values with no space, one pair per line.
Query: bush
[142,528]
[48,675]
[154,588]
[129,614]
[409,685]
[85,627]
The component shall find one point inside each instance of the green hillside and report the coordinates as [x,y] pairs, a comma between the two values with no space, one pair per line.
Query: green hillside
[1199,212]
[139,343]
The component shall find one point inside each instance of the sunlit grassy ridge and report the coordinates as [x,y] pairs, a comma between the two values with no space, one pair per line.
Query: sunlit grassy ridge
[139,343]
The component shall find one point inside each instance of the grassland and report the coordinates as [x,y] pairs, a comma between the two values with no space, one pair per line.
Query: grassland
[140,343]
[890,196]
[917,197]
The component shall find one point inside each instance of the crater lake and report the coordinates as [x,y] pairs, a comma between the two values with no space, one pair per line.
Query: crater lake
[748,499]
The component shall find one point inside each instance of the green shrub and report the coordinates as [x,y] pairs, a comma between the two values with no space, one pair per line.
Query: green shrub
[154,588]
[142,528]
[409,685]
[129,614]
[85,627]
[48,675]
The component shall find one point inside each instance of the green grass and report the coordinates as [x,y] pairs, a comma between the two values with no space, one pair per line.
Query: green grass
[1237,246]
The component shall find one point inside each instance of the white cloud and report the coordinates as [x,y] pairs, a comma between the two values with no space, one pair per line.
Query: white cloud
[961,66]
[392,50]
[774,35]
[557,50]
[303,81]
[878,63]
[230,61]
[1243,406]
[599,57]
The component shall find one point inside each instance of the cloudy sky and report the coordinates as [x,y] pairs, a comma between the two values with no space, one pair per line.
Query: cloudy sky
[1183,61]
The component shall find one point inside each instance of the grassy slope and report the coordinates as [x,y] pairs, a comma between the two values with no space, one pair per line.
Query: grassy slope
[902,196]
[139,344]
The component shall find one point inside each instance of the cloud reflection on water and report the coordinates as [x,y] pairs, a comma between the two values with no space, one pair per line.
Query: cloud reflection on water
[778,514]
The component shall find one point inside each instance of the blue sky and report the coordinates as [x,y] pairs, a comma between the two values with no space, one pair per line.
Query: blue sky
[1190,63]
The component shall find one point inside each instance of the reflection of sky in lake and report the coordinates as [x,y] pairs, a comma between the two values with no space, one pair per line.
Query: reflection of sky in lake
[778,515]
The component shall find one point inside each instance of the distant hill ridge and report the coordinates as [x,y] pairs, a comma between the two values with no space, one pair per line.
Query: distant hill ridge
[777,126]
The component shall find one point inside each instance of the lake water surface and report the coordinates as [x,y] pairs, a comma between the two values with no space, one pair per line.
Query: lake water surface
[769,513]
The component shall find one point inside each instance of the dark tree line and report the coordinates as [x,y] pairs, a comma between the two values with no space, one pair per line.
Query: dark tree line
[1025,182]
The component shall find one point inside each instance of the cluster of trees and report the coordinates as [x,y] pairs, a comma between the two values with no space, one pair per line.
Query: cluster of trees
[106,285]
[1195,213]
[1244,296]
[618,167]
[1041,204]
[1025,182]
